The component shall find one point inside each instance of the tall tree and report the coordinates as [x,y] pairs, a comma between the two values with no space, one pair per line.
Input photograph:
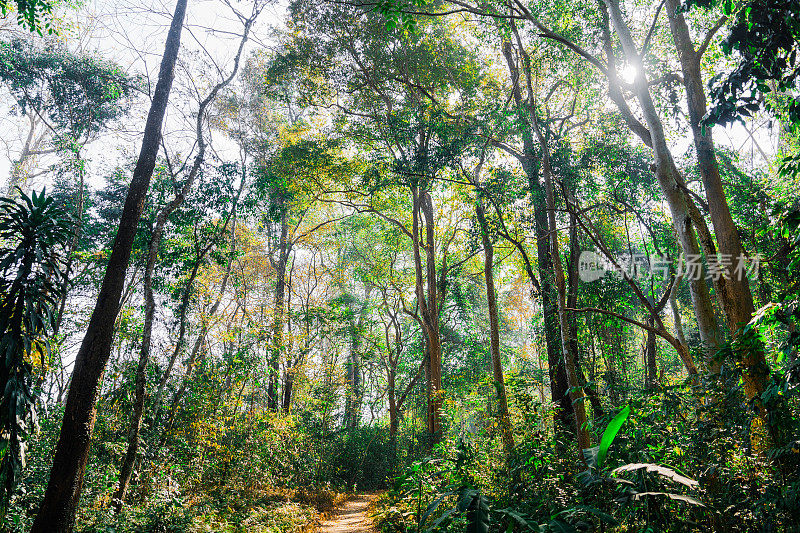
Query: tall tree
[66,97]
[57,511]
[530,161]
[494,329]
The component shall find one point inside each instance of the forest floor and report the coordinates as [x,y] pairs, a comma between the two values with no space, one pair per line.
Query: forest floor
[351,517]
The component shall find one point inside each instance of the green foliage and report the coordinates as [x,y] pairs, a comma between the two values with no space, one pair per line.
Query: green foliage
[399,14]
[355,107]
[33,229]
[79,94]
[33,15]
[596,456]
[765,36]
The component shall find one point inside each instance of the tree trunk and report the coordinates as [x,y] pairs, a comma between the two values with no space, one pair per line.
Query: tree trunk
[576,393]
[176,352]
[394,422]
[669,179]
[429,306]
[555,358]
[503,418]
[128,462]
[57,512]
[651,372]
[435,341]
[676,315]
[19,174]
[288,389]
[355,395]
[126,470]
[291,361]
[276,344]
[734,287]
[572,303]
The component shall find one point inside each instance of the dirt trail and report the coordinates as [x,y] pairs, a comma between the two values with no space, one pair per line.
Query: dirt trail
[351,517]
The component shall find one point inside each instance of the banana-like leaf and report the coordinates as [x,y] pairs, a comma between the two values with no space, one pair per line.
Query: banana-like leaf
[443,520]
[559,526]
[433,506]
[660,470]
[478,515]
[590,456]
[671,496]
[610,434]
[516,517]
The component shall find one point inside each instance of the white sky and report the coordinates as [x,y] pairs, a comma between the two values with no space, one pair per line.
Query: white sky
[132,34]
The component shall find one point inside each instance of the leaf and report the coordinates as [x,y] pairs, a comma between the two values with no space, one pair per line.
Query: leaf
[478,515]
[660,470]
[671,496]
[560,526]
[432,507]
[590,456]
[517,517]
[447,515]
[604,517]
[610,434]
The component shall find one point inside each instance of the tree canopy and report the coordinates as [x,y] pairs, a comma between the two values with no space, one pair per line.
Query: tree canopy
[441,266]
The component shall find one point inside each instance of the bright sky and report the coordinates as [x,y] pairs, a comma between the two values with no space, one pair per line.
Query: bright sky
[132,34]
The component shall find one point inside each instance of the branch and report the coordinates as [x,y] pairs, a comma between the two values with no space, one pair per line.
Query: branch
[710,35]
[550,34]
[646,43]
[652,329]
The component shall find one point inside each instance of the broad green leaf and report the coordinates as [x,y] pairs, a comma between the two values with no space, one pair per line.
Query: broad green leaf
[610,434]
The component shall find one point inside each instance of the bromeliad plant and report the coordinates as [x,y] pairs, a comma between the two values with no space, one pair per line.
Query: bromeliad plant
[33,230]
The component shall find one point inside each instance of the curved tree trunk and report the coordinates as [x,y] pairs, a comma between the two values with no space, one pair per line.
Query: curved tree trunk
[187,293]
[198,342]
[672,185]
[428,303]
[670,181]
[734,288]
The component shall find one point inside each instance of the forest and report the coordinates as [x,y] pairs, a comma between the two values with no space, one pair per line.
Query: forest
[400,266]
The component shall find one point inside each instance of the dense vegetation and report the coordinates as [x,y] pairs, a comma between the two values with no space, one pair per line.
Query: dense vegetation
[514,266]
